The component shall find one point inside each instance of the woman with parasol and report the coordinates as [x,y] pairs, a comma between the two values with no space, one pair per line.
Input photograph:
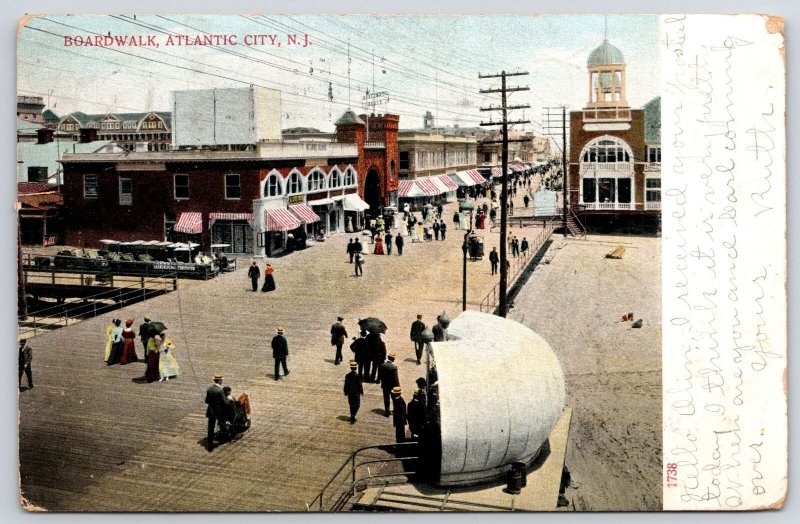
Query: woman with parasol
[167,365]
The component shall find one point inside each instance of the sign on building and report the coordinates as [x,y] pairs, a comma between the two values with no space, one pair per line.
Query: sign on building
[545,203]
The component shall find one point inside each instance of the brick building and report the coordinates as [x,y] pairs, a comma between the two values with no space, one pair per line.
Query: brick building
[615,151]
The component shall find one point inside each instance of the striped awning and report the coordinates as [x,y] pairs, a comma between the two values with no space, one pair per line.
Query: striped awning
[427,185]
[409,189]
[475,175]
[304,213]
[497,171]
[447,183]
[213,217]
[517,167]
[280,220]
[191,223]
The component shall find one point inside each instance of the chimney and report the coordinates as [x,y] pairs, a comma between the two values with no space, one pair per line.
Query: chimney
[44,136]
[88,135]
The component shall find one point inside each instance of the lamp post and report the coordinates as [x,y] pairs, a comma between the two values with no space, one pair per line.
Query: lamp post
[463,206]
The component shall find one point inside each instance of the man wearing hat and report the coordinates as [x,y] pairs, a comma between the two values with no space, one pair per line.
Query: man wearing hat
[338,336]
[215,398]
[389,379]
[416,414]
[144,329]
[254,273]
[376,349]
[280,350]
[353,390]
[417,327]
[361,355]
[399,419]
[25,358]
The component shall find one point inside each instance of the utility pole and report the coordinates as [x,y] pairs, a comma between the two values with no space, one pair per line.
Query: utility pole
[549,129]
[505,108]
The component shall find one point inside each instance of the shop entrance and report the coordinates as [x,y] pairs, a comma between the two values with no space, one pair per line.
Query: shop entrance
[372,193]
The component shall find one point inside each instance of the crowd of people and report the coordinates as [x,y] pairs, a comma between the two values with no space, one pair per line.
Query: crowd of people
[158,350]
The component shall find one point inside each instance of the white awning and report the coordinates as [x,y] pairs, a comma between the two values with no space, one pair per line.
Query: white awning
[321,202]
[353,202]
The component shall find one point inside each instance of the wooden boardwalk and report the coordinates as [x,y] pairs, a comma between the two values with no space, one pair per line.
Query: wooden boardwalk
[95,438]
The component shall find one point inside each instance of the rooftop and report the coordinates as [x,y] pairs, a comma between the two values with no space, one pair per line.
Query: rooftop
[605,54]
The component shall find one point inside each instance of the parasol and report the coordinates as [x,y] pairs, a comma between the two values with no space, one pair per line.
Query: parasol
[466,205]
[443,319]
[155,328]
[372,324]
[426,335]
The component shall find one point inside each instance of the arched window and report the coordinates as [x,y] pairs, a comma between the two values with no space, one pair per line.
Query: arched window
[335,181]
[273,186]
[295,184]
[349,177]
[605,150]
[316,181]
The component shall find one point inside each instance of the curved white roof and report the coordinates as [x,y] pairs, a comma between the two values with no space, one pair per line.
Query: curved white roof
[501,392]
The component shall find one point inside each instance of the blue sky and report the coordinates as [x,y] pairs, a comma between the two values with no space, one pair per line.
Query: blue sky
[423,62]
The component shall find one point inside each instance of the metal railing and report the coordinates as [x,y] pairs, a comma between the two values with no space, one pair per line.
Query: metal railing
[346,482]
[89,306]
[652,206]
[518,265]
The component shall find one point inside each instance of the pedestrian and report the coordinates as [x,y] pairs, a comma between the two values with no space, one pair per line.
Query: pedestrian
[359,267]
[514,246]
[388,379]
[439,209]
[417,327]
[167,365]
[436,228]
[351,250]
[494,259]
[360,355]
[338,336]
[526,200]
[457,219]
[378,245]
[269,280]
[357,247]
[109,332]
[376,349]
[24,362]
[416,414]
[398,241]
[254,273]
[511,206]
[215,399]
[116,343]
[525,245]
[144,333]
[128,344]
[152,359]
[353,390]
[280,350]
[442,229]
[439,330]
[399,414]
[388,242]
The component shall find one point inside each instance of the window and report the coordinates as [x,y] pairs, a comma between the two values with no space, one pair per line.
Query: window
[273,186]
[233,187]
[606,190]
[624,190]
[316,181]
[89,186]
[349,177]
[181,186]
[295,184]
[589,190]
[37,174]
[606,150]
[654,154]
[653,190]
[404,160]
[125,192]
[487,158]
[335,181]
[392,172]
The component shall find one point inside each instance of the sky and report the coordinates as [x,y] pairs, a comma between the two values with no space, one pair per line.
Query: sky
[424,63]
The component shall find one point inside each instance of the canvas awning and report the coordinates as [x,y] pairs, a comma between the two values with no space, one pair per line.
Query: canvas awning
[475,176]
[190,222]
[448,184]
[280,220]
[353,202]
[213,217]
[419,187]
[321,202]
[304,213]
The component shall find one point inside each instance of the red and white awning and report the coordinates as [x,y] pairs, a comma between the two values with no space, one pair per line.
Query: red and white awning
[213,217]
[447,183]
[475,175]
[427,185]
[517,167]
[304,213]
[409,189]
[280,220]
[191,223]
[497,171]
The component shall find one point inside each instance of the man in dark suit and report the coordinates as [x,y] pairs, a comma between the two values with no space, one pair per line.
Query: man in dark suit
[377,352]
[494,259]
[399,415]
[398,241]
[417,327]
[353,390]
[254,273]
[416,414]
[338,336]
[215,398]
[351,249]
[443,229]
[144,329]
[361,355]
[387,241]
[436,228]
[280,350]
[25,359]
[389,379]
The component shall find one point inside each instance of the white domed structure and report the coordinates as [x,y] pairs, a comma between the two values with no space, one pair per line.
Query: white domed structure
[501,391]
[606,77]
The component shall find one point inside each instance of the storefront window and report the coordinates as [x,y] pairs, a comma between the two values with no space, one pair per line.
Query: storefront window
[624,190]
[589,190]
[653,190]
[606,190]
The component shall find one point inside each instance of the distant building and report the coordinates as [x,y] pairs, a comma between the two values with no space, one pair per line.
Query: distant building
[615,151]
[30,108]
[148,131]
[38,153]
[40,213]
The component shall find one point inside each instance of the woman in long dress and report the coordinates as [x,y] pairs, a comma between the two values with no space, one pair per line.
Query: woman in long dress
[116,343]
[167,365]
[128,344]
[269,280]
[378,246]
[153,347]
[109,331]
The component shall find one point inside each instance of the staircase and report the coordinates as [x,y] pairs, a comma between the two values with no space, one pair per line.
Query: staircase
[574,226]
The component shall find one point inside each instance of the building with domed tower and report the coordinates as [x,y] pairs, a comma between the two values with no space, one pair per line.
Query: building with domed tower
[614,151]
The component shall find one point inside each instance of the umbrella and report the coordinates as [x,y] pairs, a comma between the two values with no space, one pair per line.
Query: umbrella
[466,205]
[155,328]
[426,335]
[444,320]
[373,325]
